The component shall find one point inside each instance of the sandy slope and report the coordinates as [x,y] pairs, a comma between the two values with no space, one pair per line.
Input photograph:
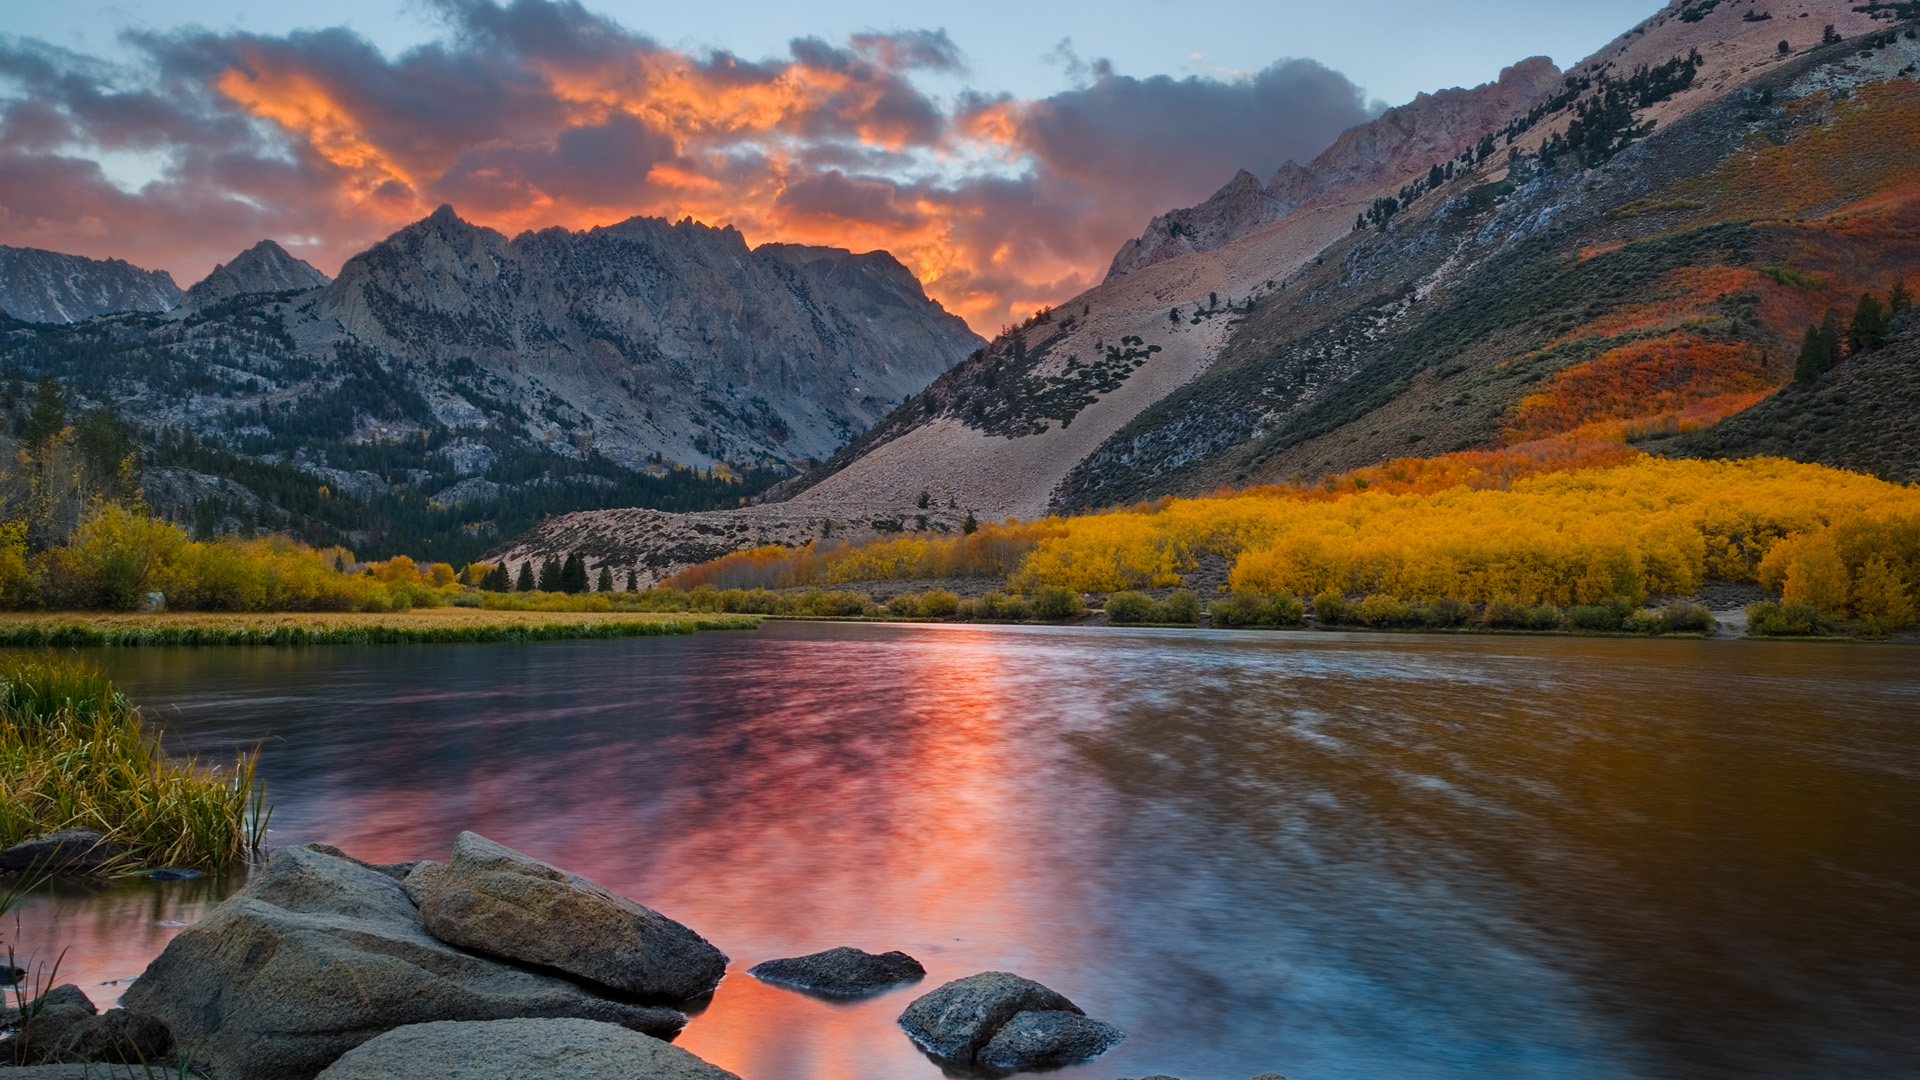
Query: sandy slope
[993,475]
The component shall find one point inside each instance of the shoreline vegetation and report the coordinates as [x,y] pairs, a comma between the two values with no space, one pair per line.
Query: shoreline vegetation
[75,754]
[426,626]
[1422,544]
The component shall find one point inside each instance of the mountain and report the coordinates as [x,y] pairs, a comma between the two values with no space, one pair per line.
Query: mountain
[644,340]
[1122,392]
[453,386]
[1395,148]
[1628,258]
[263,268]
[48,287]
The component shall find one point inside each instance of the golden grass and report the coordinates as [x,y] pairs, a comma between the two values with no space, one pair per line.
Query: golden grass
[421,625]
[75,753]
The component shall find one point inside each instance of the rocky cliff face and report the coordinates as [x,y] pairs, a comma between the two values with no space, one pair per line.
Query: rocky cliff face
[454,386]
[48,287]
[645,338]
[1401,144]
[263,268]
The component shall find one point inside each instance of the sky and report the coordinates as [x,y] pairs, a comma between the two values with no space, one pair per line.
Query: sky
[1002,151]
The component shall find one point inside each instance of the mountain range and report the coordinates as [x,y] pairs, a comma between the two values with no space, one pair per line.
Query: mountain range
[1445,278]
[453,384]
[1557,263]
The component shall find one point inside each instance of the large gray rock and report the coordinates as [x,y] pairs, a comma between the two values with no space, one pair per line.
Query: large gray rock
[69,851]
[842,972]
[321,952]
[1047,1040]
[494,899]
[519,1050]
[955,1021]
[118,1036]
[80,1071]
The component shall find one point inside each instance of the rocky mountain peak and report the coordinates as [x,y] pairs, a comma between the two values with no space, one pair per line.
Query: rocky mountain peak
[1383,153]
[263,268]
[51,287]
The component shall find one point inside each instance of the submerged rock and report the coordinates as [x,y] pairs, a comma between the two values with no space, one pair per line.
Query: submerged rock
[174,873]
[117,1036]
[519,1050]
[1047,1040]
[496,900]
[954,1022]
[69,851]
[321,952]
[841,972]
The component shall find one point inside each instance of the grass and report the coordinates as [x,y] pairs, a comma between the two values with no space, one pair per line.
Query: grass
[419,626]
[74,753]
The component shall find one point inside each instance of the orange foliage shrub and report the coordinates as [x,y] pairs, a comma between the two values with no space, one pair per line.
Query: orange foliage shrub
[1865,146]
[1648,379]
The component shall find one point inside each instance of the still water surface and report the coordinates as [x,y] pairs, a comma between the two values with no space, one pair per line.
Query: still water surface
[1326,856]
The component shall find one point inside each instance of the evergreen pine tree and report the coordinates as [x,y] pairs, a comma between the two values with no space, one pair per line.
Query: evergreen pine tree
[1899,300]
[525,584]
[48,415]
[1813,356]
[573,573]
[1870,327]
[1830,340]
[550,575]
[971,525]
[633,580]
[605,584]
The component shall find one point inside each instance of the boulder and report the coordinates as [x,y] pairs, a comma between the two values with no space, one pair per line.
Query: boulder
[519,1050]
[842,972]
[1047,1040]
[496,900]
[44,1031]
[64,994]
[69,851]
[952,1023]
[321,952]
[117,1036]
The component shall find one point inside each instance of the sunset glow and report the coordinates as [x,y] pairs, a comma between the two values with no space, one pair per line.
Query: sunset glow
[533,115]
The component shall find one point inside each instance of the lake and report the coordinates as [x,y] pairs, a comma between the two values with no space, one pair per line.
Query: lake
[1324,855]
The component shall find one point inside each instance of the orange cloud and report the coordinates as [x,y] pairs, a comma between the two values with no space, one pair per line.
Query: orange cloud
[537,114]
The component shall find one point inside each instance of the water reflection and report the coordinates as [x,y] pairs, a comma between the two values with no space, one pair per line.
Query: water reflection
[1330,857]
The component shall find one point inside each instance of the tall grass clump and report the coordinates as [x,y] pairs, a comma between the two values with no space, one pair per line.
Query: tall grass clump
[74,753]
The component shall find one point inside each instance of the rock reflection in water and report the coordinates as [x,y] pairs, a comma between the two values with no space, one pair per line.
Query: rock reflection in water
[1330,856]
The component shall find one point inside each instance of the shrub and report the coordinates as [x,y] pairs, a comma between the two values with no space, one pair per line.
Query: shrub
[1642,621]
[1255,609]
[967,610]
[1686,619]
[1506,615]
[1128,607]
[1768,619]
[904,606]
[1183,607]
[939,604]
[998,605]
[1381,612]
[840,603]
[1445,613]
[1330,608]
[1609,616]
[1057,603]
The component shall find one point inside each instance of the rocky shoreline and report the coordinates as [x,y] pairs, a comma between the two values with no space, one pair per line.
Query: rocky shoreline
[491,964]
